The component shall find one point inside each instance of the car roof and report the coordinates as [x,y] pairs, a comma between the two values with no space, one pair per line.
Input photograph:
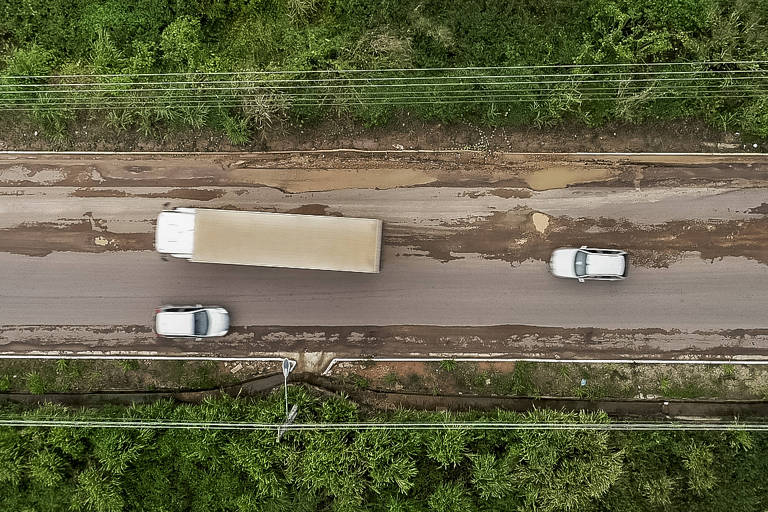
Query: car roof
[175,323]
[605,264]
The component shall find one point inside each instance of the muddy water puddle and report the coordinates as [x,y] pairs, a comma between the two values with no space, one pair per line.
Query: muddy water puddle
[554,177]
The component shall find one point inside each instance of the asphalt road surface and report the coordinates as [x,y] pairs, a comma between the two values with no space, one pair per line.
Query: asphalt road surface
[123,288]
[466,244]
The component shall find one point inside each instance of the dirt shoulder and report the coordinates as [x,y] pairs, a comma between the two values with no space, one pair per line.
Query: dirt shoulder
[403,133]
[315,347]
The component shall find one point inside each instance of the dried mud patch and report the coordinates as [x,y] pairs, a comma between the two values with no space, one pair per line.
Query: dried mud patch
[297,180]
[549,178]
[510,193]
[196,194]
[41,239]
[315,209]
[518,235]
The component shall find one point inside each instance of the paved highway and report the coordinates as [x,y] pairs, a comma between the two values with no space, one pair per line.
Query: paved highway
[123,288]
[466,241]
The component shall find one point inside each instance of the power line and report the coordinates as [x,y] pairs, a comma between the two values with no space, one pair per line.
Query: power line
[265,84]
[45,101]
[203,103]
[140,93]
[390,70]
[448,425]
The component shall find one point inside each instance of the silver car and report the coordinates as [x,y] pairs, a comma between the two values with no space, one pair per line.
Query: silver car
[589,263]
[191,321]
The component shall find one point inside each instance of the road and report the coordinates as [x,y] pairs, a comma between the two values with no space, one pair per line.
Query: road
[122,288]
[466,240]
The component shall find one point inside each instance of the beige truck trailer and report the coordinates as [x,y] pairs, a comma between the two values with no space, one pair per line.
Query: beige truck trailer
[270,239]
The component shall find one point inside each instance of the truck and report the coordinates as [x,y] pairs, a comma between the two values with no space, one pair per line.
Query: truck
[265,239]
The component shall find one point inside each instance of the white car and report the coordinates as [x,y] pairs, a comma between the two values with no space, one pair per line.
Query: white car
[191,321]
[589,263]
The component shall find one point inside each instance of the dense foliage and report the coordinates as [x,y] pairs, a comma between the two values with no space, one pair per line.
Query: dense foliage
[45,37]
[104,470]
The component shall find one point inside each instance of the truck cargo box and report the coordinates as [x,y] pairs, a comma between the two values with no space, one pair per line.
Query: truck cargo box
[271,239]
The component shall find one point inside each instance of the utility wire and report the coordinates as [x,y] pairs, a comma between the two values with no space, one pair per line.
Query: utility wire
[64,93]
[203,103]
[456,94]
[452,425]
[390,70]
[266,84]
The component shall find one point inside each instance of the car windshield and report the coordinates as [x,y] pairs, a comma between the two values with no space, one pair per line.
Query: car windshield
[201,323]
[580,264]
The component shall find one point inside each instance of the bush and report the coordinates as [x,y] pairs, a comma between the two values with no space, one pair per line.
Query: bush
[440,470]
[50,37]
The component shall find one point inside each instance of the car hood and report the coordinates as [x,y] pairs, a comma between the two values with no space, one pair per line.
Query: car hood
[218,322]
[174,324]
[605,264]
[561,262]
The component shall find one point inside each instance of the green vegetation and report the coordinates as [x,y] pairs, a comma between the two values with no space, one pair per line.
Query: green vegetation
[111,470]
[581,380]
[41,38]
[72,375]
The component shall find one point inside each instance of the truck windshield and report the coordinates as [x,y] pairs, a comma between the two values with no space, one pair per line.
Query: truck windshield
[580,264]
[201,323]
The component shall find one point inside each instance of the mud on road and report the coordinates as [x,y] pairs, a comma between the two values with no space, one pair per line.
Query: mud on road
[517,227]
[315,347]
[437,207]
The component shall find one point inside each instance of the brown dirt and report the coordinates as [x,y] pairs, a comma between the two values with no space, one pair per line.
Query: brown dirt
[680,136]
[41,239]
[294,173]
[512,236]
[398,341]
[508,193]
[297,180]
[315,209]
[195,194]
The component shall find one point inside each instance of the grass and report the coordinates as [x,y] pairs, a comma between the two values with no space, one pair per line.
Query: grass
[37,384]
[392,379]
[587,381]
[129,365]
[68,375]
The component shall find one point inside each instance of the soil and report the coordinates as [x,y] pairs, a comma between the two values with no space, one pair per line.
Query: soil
[41,239]
[195,194]
[296,173]
[315,347]
[511,235]
[679,136]
[514,236]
